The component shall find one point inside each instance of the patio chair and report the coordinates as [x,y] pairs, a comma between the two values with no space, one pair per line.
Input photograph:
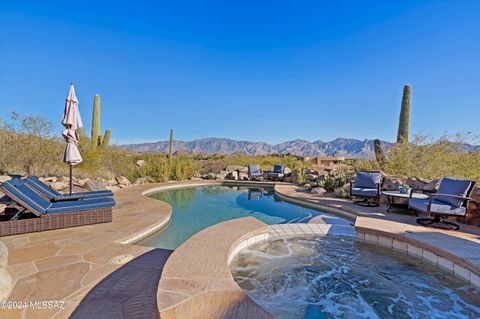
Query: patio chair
[52,195]
[254,172]
[48,215]
[367,186]
[277,173]
[451,199]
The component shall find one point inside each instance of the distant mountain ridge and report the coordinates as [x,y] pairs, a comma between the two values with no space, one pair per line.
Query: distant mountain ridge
[340,146]
[351,148]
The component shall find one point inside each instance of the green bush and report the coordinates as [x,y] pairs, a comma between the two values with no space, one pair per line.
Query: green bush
[333,181]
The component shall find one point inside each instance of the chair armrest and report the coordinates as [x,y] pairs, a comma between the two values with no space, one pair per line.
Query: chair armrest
[449,195]
[419,190]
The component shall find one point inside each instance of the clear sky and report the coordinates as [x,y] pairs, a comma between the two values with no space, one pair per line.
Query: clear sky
[253,70]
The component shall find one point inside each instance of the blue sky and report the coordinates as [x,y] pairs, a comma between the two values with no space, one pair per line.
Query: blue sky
[252,70]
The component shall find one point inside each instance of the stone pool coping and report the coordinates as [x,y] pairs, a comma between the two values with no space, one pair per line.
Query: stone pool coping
[66,264]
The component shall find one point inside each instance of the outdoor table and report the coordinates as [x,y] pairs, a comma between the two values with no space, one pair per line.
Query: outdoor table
[393,195]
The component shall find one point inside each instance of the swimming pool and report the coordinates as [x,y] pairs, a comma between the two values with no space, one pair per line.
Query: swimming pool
[194,209]
[339,277]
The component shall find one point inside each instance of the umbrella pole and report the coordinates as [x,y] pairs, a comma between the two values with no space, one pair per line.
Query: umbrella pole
[70,179]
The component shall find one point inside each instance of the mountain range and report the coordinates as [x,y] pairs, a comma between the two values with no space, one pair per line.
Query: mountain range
[351,148]
[340,146]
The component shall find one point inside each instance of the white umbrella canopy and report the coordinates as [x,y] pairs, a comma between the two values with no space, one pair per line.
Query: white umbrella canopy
[71,121]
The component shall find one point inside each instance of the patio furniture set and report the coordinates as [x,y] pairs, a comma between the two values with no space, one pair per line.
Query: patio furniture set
[451,200]
[255,173]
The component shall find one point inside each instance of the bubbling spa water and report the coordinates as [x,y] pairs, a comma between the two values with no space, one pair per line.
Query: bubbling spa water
[339,277]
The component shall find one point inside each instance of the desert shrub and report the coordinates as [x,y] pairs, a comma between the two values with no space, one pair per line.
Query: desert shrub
[159,168]
[429,158]
[333,181]
[211,166]
[301,176]
[28,147]
[183,167]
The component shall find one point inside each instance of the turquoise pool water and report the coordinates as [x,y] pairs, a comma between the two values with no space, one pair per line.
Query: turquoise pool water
[195,209]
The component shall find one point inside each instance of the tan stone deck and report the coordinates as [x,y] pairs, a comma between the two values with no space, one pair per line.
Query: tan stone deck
[66,265]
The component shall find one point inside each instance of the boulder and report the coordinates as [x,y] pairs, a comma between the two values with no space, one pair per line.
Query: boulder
[140,181]
[322,173]
[95,185]
[140,163]
[320,178]
[310,177]
[312,183]
[318,190]
[113,188]
[51,179]
[287,170]
[64,179]
[234,168]
[58,186]
[243,176]
[123,181]
[4,178]
[83,181]
[307,186]
[416,183]
[391,183]
[222,175]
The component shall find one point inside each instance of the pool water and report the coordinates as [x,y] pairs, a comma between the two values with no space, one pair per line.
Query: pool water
[195,209]
[339,277]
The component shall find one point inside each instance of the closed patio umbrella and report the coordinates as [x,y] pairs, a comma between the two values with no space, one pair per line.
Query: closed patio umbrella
[71,121]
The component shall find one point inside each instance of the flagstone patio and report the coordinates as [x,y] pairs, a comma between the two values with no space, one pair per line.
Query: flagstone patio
[77,266]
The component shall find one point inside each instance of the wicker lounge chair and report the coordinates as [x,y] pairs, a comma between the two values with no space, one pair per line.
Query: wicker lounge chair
[34,183]
[451,199]
[254,172]
[277,173]
[367,186]
[47,215]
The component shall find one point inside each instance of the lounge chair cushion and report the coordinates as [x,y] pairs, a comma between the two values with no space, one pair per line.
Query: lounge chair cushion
[438,207]
[278,168]
[450,186]
[86,204]
[38,205]
[26,197]
[367,179]
[365,192]
[55,196]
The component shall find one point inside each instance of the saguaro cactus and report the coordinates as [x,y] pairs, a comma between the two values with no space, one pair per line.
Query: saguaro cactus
[170,146]
[106,138]
[96,121]
[379,152]
[97,138]
[404,121]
